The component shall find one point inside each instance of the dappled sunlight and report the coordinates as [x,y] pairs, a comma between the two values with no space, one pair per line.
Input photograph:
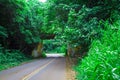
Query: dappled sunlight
[43,1]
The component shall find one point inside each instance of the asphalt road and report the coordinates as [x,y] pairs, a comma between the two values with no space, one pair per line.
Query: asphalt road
[43,69]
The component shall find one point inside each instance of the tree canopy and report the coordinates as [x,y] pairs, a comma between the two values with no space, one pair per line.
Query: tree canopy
[75,22]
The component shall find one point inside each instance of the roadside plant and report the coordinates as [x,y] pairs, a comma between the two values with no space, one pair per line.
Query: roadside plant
[103,59]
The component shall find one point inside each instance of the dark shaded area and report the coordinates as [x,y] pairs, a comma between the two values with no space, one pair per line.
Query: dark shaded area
[14,39]
[47,36]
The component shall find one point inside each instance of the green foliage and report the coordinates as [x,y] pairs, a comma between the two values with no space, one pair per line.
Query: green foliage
[80,20]
[44,55]
[29,19]
[10,58]
[103,60]
[54,46]
[21,24]
[3,32]
[74,22]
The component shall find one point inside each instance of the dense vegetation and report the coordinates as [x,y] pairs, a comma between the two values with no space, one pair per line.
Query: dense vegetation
[10,58]
[103,60]
[91,24]
[19,23]
[53,46]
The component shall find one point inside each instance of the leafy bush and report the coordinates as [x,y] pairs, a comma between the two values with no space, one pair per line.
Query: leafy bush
[3,32]
[11,58]
[103,60]
[44,55]
[54,46]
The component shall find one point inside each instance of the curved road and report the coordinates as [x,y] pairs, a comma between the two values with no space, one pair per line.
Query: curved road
[43,69]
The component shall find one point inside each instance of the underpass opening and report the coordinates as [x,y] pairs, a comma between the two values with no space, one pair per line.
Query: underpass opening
[54,48]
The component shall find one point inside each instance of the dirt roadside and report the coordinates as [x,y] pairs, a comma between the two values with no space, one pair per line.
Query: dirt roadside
[70,73]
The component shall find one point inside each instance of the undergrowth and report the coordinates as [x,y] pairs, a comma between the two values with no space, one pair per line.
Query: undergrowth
[10,58]
[103,60]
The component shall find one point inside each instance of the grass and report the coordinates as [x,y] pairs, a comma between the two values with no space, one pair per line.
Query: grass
[103,59]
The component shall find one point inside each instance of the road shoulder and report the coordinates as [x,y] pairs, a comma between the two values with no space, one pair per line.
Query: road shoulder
[70,73]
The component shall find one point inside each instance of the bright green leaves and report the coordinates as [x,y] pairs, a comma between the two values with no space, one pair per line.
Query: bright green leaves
[10,58]
[85,29]
[103,60]
[72,17]
[28,18]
